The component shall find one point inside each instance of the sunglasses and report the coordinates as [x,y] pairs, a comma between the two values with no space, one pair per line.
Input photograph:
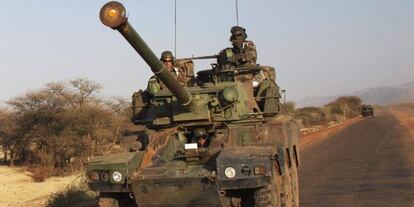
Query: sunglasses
[167,61]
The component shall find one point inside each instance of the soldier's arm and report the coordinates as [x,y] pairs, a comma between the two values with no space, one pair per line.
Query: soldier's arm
[250,53]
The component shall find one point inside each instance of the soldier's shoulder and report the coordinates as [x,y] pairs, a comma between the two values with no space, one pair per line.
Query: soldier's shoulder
[225,50]
[249,43]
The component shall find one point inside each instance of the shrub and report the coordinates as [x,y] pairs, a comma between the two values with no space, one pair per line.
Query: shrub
[287,108]
[39,174]
[73,196]
[311,116]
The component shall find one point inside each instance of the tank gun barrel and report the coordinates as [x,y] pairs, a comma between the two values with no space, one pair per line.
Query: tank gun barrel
[204,57]
[113,14]
[199,57]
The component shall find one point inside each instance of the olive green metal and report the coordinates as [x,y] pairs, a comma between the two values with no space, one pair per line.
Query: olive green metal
[230,94]
[135,40]
[200,132]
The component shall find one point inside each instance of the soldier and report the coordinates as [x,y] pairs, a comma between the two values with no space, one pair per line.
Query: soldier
[242,47]
[243,52]
[201,137]
[183,71]
[168,59]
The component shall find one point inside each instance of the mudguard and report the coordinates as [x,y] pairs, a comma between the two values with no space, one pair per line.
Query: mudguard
[100,171]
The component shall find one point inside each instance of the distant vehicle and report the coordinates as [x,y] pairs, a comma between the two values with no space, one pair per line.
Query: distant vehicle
[367,110]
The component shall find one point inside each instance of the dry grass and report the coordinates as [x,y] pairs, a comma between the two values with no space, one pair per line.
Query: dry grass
[403,107]
[19,189]
[405,114]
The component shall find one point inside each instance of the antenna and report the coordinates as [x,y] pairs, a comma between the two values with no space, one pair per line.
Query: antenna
[175,28]
[237,12]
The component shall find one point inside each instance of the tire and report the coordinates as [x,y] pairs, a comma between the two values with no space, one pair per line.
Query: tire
[290,184]
[263,197]
[269,195]
[294,183]
[238,198]
[108,202]
[115,200]
[286,194]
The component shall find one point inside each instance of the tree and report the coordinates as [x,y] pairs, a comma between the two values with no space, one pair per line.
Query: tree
[60,123]
[5,132]
[122,113]
[347,106]
[288,108]
[11,137]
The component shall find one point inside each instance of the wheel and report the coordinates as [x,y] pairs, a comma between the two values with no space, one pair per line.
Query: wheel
[286,194]
[263,197]
[290,185]
[235,202]
[116,200]
[237,198]
[294,183]
[108,202]
[269,195]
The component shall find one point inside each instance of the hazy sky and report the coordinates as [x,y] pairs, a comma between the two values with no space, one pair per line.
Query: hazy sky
[319,47]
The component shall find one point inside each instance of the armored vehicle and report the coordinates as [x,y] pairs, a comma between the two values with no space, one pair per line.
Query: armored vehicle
[218,141]
[367,110]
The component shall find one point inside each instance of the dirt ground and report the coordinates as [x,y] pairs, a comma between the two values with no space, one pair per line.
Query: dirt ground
[18,189]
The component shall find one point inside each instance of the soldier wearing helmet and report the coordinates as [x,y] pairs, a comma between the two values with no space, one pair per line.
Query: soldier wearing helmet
[167,59]
[201,137]
[243,52]
[182,71]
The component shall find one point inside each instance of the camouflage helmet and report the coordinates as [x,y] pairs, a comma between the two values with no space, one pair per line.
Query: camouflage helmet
[167,55]
[200,132]
[237,32]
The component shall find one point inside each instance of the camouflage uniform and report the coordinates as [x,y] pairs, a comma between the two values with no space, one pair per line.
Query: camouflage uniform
[185,69]
[170,64]
[168,56]
[243,52]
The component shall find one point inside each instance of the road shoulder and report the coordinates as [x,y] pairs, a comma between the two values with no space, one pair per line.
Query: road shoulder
[406,120]
[308,139]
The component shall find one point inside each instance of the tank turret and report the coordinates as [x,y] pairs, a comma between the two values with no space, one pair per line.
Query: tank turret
[113,14]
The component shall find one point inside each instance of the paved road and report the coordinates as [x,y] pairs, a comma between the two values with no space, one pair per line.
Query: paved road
[370,163]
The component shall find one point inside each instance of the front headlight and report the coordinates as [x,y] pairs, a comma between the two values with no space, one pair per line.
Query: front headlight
[230,172]
[104,176]
[117,176]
